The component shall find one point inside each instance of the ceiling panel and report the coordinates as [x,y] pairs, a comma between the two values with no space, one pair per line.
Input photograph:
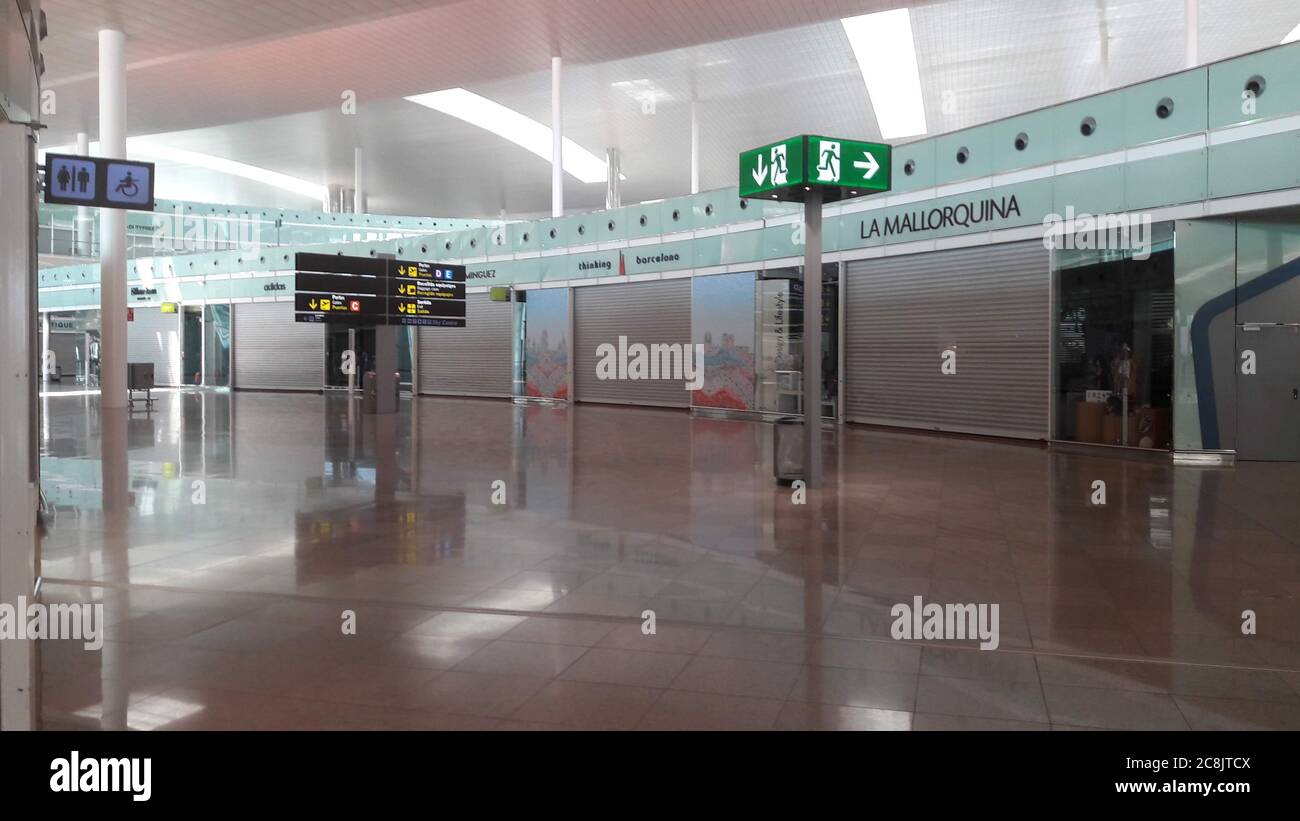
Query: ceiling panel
[760,69]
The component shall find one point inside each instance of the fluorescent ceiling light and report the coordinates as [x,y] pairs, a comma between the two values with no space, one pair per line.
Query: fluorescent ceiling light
[147,148]
[886,53]
[1293,36]
[643,91]
[513,126]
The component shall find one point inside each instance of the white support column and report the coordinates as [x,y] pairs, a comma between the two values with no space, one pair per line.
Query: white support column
[613,166]
[112,224]
[695,147]
[19,657]
[557,141]
[85,220]
[1191,34]
[358,192]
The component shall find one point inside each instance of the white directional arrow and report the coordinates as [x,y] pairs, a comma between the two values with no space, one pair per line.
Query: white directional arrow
[759,174]
[869,165]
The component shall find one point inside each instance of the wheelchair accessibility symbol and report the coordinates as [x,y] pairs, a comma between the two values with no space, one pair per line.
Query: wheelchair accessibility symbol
[128,187]
[129,183]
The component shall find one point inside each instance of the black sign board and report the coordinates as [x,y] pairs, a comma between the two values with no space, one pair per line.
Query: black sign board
[339,264]
[360,290]
[309,282]
[99,182]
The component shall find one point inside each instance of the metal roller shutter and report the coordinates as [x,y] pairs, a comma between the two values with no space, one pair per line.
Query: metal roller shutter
[991,304]
[272,352]
[645,312]
[154,336]
[477,360]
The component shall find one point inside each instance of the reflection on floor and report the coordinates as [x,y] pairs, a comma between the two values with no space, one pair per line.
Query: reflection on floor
[499,561]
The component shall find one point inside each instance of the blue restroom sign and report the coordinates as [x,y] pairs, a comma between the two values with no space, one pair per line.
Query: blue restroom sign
[98,182]
[75,178]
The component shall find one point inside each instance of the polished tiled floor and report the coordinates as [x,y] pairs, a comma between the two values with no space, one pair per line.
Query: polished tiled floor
[227,540]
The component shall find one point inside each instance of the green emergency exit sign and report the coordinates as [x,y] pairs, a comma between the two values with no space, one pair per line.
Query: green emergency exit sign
[840,168]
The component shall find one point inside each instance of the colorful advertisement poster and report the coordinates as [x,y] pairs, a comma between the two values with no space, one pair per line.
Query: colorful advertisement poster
[546,343]
[722,320]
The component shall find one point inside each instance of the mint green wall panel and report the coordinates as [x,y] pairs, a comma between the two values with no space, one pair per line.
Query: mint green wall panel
[580,229]
[1280,68]
[852,230]
[1171,180]
[771,209]
[1040,150]
[1023,204]
[526,270]
[472,243]
[501,272]
[498,240]
[979,142]
[68,275]
[707,251]
[643,220]
[676,214]
[831,234]
[710,209]
[1099,191]
[1188,92]
[746,246]
[550,233]
[1108,112]
[1262,164]
[612,225]
[922,153]
[444,247]
[671,256]
[726,206]
[580,266]
[779,241]
[524,237]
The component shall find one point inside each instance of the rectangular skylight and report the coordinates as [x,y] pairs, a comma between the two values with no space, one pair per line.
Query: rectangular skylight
[513,126]
[886,53]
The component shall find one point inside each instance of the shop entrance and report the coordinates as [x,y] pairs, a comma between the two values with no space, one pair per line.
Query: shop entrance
[1268,400]
[192,345]
[338,341]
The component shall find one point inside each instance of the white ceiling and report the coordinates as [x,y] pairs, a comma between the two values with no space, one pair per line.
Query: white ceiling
[259,81]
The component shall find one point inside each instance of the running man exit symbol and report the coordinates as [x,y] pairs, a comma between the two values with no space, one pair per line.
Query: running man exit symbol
[780,172]
[828,167]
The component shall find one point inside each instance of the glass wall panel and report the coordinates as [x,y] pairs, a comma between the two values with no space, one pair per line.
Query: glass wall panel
[1114,326]
[216,346]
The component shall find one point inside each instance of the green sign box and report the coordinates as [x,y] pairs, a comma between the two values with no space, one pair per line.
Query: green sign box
[840,168]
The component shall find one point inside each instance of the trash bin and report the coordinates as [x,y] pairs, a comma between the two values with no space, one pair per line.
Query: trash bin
[787,449]
[370,395]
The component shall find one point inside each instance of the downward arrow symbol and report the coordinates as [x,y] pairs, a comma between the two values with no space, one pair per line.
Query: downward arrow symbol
[311,303]
[759,174]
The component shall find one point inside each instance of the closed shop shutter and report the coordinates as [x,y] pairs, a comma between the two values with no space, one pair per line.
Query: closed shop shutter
[644,312]
[272,352]
[990,304]
[154,336]
[477,360]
